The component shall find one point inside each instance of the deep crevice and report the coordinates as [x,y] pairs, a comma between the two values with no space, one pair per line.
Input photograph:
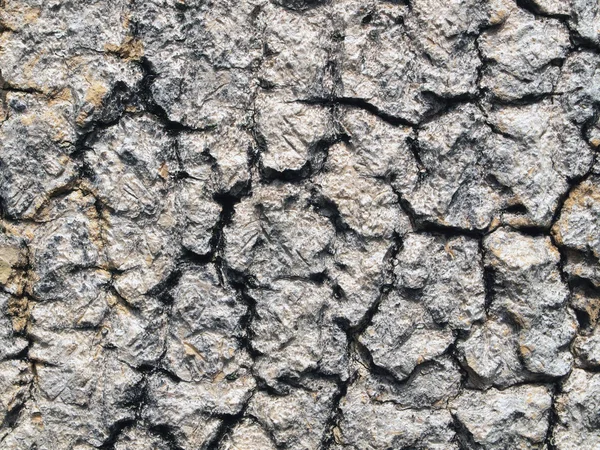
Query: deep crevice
[360,103]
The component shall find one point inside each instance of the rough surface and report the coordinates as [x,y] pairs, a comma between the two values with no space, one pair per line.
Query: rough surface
[299,224]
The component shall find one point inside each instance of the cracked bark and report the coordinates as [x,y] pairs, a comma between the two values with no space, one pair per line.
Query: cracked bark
[299,224]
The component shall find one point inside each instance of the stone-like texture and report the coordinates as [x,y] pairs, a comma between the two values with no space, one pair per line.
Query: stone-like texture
[577,407]
[528,292]
[299,224]
[521,53]
[513,418]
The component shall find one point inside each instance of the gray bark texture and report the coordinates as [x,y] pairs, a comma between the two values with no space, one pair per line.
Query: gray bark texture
[299,224]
